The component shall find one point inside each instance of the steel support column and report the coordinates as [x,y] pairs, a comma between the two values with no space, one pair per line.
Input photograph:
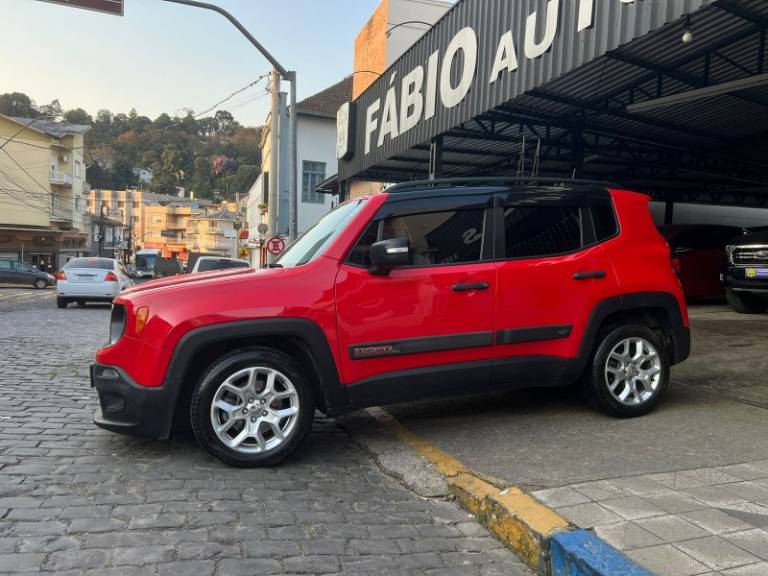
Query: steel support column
[436,157]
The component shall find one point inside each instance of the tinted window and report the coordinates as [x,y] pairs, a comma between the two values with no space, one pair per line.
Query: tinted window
[100,263]
[439,237]
[532,231]
[604,219]
[206,265]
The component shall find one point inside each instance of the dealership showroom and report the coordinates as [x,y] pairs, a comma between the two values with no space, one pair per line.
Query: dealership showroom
[665,98]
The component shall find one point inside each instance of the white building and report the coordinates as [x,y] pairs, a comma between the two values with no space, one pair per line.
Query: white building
[316,155]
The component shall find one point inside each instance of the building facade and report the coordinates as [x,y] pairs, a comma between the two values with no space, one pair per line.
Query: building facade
[42,192]
[216,232]
[151,220]
[316,159]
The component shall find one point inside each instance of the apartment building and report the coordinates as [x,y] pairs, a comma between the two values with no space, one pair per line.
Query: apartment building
[42,192]
[217,231]
[151,220]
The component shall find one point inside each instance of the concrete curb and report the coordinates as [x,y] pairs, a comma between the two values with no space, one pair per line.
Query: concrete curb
[546,541]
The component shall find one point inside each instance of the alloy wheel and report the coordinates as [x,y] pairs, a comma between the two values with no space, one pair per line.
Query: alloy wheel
[255,410]
[633,371]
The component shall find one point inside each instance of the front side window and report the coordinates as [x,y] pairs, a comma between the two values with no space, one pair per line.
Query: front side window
[434,238]
[313,173]
[535,231]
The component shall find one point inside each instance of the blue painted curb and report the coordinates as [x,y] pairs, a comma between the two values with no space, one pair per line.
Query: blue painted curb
[582,553]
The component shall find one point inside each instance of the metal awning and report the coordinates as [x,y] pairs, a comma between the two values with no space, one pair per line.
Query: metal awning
[610,117]
[329,186]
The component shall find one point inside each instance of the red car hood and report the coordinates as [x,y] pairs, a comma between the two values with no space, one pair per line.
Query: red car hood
[187,279]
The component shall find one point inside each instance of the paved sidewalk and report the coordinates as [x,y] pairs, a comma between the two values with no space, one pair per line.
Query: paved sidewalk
[77,500]
[679,523]
[683,491]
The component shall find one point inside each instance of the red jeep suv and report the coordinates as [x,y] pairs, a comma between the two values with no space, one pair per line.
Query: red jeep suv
[430,288]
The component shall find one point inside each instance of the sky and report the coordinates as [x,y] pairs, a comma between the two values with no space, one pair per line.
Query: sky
[163,57]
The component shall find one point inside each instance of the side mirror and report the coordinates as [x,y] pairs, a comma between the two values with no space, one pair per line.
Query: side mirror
[388,254]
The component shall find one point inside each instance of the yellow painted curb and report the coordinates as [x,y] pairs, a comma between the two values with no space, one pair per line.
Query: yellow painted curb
[519,520]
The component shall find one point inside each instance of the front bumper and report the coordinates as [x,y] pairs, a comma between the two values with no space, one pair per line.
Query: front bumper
[128,408]
[736,279]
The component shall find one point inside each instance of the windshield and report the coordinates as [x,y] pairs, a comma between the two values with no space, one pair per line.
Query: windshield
[146,262]
[100,263]
[216,264]
[315,240]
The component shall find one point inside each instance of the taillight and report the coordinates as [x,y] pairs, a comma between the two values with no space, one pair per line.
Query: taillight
[61,276]
[110,277]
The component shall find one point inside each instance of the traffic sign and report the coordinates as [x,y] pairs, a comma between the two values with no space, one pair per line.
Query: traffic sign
[109,6]
[275,246]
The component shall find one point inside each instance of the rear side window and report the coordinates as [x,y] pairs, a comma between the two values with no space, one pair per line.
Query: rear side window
[100,263]
[604,219]
[534,231]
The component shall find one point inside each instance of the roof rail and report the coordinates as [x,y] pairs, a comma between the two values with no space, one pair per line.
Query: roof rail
[491,180]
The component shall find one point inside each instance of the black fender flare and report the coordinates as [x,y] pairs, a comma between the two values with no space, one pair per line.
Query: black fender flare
[299,330]
[666,301]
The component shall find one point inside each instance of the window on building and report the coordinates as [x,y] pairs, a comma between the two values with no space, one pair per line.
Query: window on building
[77,169]
[77,203]
[265,189]
[533,231]
[213,224]
[313,173]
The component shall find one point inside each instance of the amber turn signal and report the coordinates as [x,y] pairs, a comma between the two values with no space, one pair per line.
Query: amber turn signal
[142,315]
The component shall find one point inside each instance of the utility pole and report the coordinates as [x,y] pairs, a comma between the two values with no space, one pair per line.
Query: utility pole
[274,152]
[278,70]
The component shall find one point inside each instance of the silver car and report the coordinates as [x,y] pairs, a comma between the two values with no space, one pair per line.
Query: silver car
[91,280]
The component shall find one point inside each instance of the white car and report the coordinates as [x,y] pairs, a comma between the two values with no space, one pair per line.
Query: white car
[90,280]
[208,263]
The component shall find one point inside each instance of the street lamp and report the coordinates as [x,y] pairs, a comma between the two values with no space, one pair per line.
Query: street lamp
[290,75]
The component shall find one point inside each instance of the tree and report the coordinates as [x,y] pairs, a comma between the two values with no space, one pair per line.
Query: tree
[17,104]
[243,179]
[122,174]
[78,116]
[163,183]
[170,159]
[52,109]
[201,180]
[224,123]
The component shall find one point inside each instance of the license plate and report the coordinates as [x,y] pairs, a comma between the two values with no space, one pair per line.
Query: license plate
[757,273]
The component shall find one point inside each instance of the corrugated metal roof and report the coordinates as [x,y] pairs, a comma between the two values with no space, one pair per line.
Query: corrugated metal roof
[586,73]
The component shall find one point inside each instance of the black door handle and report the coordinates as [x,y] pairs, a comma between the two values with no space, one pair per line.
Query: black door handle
[470,286]
[589,275]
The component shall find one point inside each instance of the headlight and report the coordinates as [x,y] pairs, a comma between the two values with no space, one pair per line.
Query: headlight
[116,323]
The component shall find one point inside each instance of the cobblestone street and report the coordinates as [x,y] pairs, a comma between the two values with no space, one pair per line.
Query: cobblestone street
[75,499]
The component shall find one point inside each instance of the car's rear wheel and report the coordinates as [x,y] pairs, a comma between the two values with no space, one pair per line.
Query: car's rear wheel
[629,372]
[40,283]
[252,407]
[746,303]
[61,302]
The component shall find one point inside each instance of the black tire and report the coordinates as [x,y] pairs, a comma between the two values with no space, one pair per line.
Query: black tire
[745,303]
[40,284]
[61,302]
[205,390]
[595,381]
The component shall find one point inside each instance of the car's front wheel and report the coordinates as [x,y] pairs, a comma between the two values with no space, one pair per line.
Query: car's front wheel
[745,303]
[629,372]
[252,407]
[40,283]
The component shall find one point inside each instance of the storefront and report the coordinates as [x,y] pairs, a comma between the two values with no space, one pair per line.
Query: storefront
[666,97]
[46,249]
